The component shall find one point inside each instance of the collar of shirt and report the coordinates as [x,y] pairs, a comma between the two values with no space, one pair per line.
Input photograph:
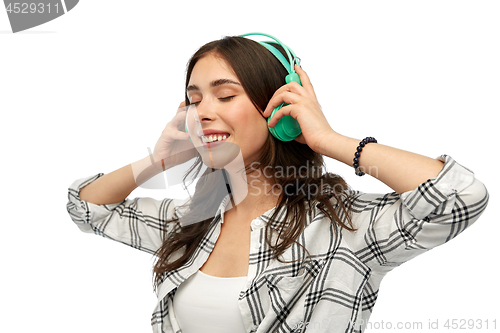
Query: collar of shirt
[175,278]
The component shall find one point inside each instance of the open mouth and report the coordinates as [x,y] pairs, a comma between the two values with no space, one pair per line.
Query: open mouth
[210,140]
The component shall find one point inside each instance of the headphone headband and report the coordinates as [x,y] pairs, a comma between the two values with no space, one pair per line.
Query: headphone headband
[292,58]
[287,128]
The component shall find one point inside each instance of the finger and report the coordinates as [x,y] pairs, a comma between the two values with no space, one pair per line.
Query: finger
[180,115]
[180,135]
[183,104]
[179,119]
[286,94]
[182,107]
[304,78]
[284,111]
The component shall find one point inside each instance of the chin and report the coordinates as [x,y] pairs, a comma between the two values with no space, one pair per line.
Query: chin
[220,156]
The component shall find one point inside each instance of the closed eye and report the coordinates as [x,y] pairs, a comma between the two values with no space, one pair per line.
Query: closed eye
[226,99]
[222,99]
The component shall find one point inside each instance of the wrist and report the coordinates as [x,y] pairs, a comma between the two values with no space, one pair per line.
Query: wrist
[146,168]
[336,146]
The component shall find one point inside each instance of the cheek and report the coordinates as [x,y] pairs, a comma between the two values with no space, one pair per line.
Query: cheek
[252,120]
[248,122]
[253,127]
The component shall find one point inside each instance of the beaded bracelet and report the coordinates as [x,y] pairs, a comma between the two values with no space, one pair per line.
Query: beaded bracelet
[357,154]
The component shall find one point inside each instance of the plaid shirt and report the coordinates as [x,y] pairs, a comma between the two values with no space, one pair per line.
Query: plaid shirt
[337,292]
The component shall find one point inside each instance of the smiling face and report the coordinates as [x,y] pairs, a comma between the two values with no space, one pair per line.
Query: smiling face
[223,105]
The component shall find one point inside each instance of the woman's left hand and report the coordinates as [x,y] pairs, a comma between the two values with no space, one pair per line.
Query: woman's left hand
[304,107]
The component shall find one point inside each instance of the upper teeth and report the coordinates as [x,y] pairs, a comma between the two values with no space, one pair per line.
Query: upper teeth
[214,137]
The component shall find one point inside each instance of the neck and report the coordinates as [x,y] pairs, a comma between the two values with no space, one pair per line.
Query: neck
[251,193]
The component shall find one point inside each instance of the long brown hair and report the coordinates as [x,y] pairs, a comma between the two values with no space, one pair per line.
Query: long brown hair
[260,74]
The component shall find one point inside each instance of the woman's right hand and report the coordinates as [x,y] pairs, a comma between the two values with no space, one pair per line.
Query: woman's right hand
[174,146]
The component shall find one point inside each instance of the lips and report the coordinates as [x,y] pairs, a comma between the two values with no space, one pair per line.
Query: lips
[216,141]
[208,132]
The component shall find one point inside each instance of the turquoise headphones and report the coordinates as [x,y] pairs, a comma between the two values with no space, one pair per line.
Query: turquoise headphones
[287,127]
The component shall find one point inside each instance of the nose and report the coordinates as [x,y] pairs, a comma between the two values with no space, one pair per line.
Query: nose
[205,112]
[198,115]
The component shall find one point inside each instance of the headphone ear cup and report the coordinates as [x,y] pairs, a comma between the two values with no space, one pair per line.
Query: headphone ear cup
[186,127]
[286,129]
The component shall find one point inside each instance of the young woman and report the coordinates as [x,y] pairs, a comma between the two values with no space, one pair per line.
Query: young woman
[287,251]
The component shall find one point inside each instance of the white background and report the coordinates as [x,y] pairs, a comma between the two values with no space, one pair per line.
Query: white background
[91,90]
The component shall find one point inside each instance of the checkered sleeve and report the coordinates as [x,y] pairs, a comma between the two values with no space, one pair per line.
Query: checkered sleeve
[139,222]
[394,228]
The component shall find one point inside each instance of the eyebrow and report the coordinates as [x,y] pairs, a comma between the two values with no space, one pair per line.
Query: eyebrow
[214,83]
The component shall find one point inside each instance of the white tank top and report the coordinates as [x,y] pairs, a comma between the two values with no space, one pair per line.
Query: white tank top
[209,304]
